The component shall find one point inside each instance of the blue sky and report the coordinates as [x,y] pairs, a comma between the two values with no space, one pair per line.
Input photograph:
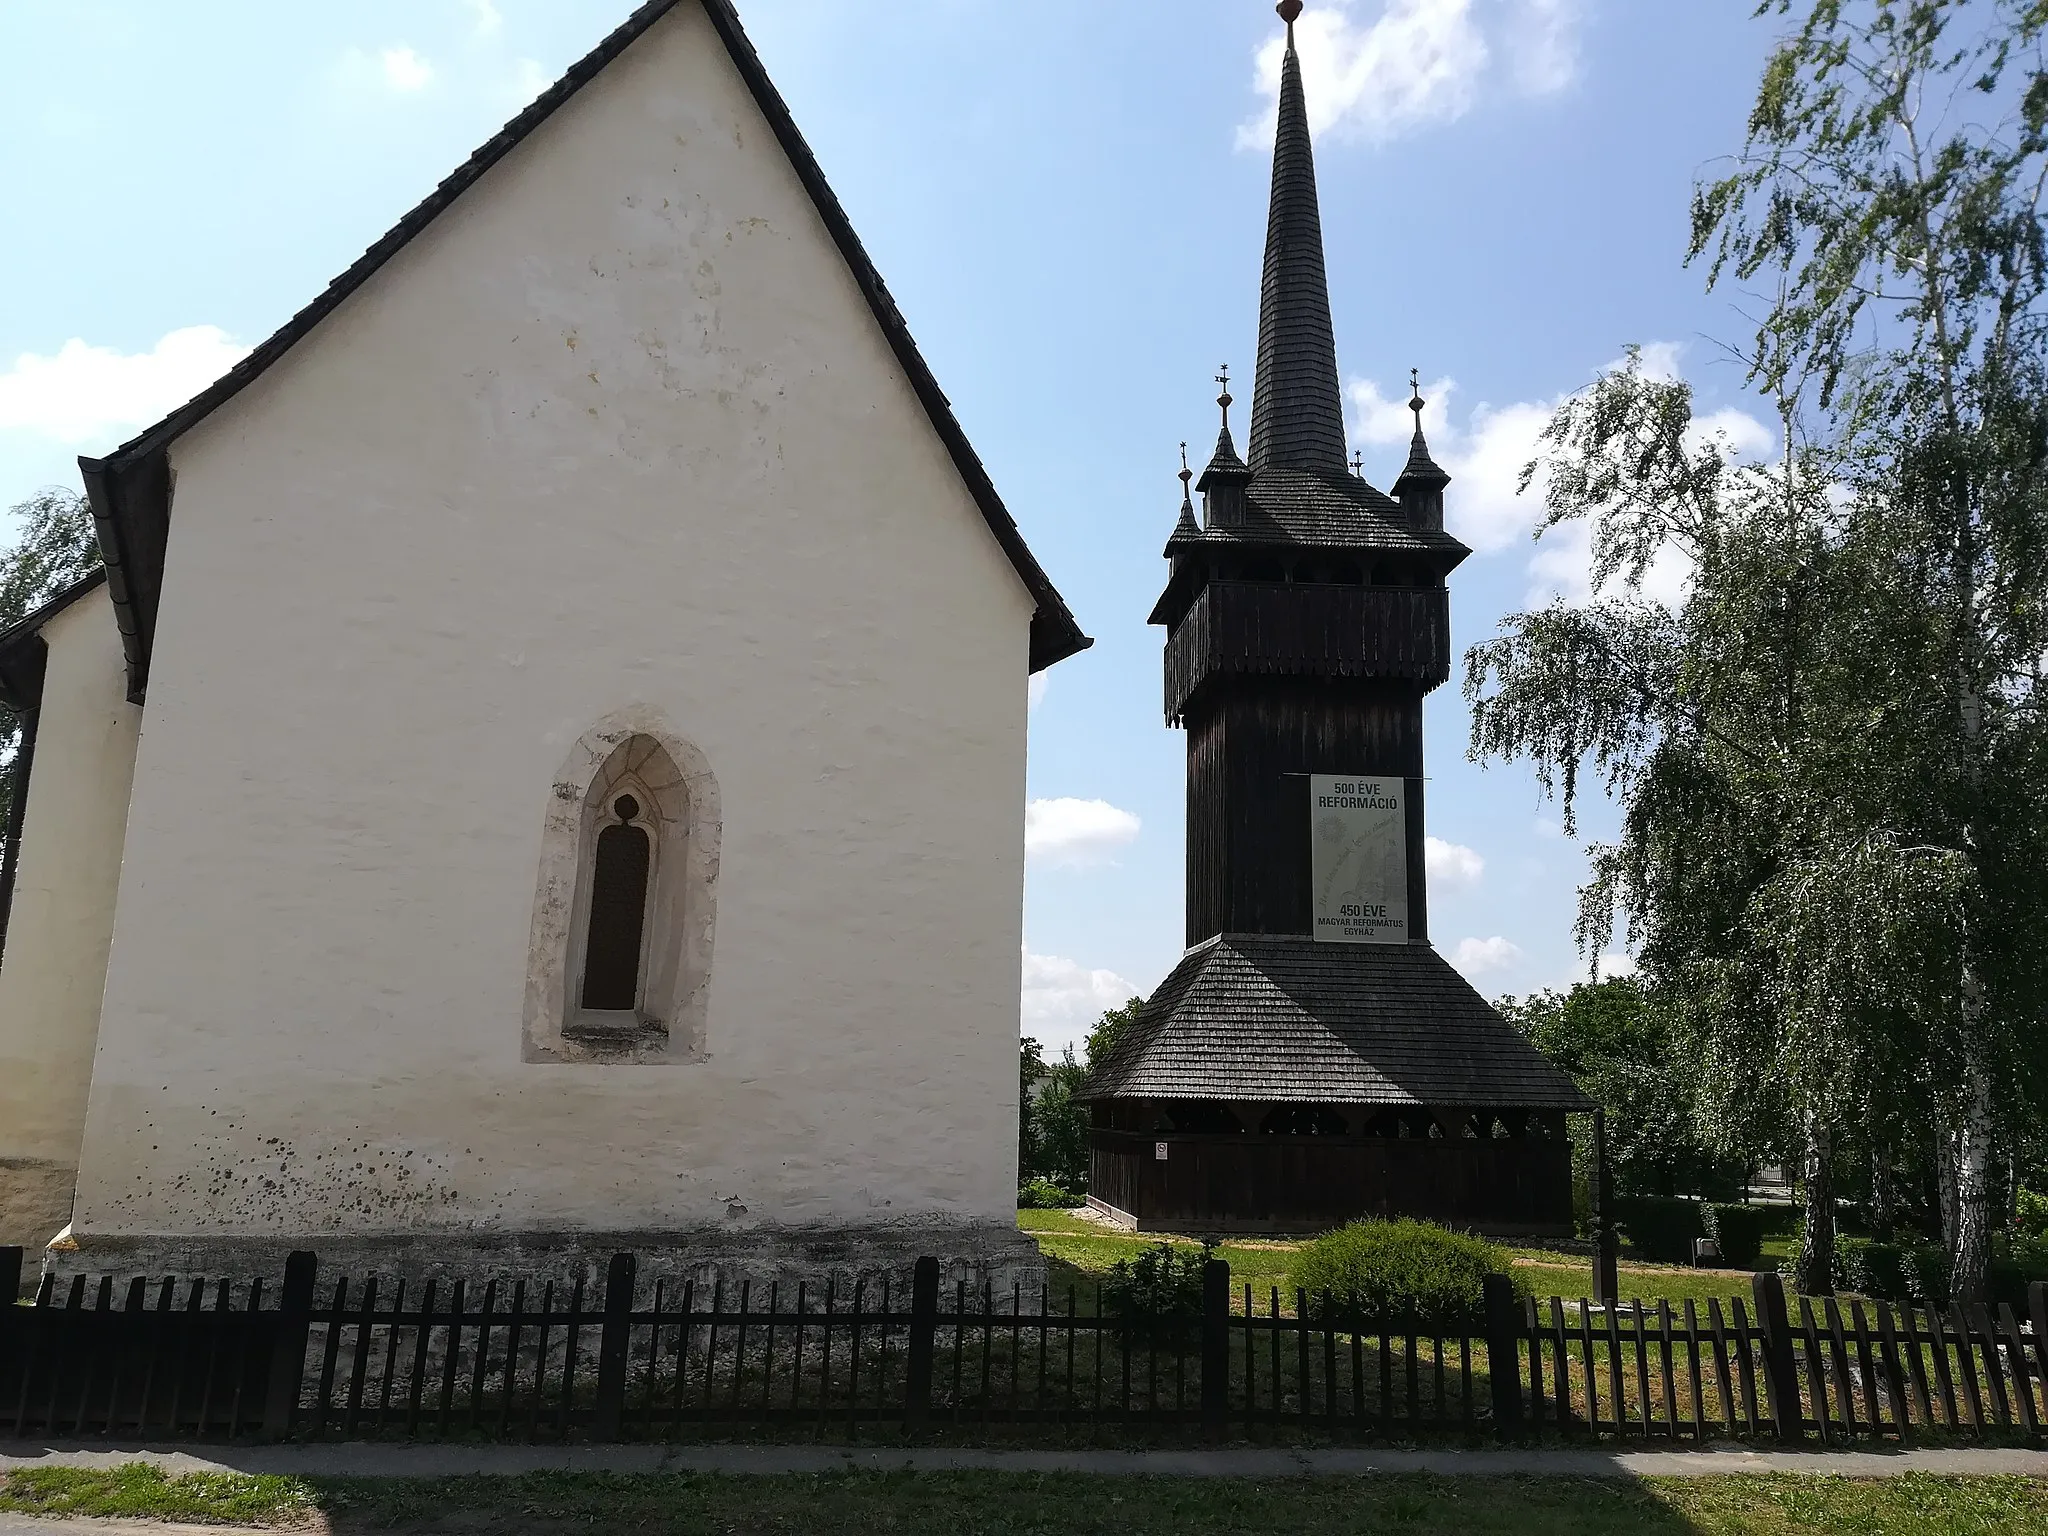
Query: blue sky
[1068,201]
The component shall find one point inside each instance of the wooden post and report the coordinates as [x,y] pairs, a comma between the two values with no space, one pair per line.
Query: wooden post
[1215,1348]
[924,1330]
[2037,1308]
[288,1345]
[1504,1355]
[613,1344]
[1781,1375]
[1606,1241]
[10,1276]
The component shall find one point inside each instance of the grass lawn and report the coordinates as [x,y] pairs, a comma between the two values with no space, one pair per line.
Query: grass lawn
[1082,1250]
[1056,1504]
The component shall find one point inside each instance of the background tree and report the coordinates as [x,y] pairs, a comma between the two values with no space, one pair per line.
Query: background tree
[1619,1048]
[1055,1147]
[54,546]
[1731,728]
[1890,193]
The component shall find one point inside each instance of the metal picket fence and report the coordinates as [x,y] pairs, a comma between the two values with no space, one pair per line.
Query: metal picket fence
[539,1360]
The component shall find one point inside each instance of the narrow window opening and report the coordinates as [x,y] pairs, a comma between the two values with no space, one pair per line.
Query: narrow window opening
[618,913]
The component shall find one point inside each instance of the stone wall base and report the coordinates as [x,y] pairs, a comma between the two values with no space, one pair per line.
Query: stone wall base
[35,1201]
[979,1254]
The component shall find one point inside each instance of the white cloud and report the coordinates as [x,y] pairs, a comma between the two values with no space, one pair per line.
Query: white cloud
[1545,827]
[1612,965]
[1485,456]
[1451,866]
[405,70]
[1062,998]
[1543,41]
[89,395]
[1068,831]
[1035,692]
[529,79]
[484,17]
[398,69]
[1373,69]
[1478,957]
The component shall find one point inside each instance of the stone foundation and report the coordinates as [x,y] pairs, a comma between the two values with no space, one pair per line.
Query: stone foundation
[35,1202]
[982,1254]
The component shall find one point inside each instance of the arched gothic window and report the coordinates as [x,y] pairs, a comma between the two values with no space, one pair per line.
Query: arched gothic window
[620,961]
[615,946]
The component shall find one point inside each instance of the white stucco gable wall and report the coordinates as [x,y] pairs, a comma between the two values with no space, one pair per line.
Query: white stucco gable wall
[62,917]
[616,432]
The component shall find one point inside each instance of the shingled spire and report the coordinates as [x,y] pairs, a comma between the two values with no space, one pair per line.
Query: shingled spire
[1297,410]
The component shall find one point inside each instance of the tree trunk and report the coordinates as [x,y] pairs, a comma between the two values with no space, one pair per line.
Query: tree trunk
[1969,1213]
[1815,1275]
[1884,1200]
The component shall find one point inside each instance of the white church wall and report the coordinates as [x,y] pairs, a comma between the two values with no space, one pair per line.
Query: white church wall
[616,433]
[63,916]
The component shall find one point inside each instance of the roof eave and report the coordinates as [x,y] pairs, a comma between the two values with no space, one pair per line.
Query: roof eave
[1055,634]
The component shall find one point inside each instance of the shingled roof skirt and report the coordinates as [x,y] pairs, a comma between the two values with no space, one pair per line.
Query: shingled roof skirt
[1297,407]
[130,489]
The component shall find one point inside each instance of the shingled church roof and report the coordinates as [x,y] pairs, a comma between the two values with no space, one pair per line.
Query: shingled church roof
[1298,487]
[1280,1018]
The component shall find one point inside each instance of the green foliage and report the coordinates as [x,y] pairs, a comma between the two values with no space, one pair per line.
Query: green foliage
[1618,1047]
[1739,1229]
[1395,1265]
[57,545]
[1044,1195]
[1872,1268]
[1053,1126]
[1660,1227]
[2032,1216]
[1161,1284]
[1114,1024]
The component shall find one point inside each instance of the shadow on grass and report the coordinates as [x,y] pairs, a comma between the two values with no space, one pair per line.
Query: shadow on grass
[967,1503]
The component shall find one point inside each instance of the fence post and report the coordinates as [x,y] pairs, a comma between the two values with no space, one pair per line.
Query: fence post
[924,1329]
[10,1276]
[1781,1374]
[288,1344]
[612,1346]
[2037,1306]
[1606,1237]
[1504,1355]
[1215,1348]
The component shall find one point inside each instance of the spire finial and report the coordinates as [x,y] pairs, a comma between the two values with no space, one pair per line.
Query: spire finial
[1358,463]
[1289,11]
[1224,399]
[1186,474]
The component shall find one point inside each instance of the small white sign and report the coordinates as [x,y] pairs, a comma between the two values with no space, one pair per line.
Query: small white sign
[1159,1151]
[1358,856]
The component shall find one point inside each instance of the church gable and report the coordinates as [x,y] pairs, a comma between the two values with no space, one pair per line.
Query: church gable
[131,489]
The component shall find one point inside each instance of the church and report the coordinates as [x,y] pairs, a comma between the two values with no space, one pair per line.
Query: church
[1313,1059]
[542,768]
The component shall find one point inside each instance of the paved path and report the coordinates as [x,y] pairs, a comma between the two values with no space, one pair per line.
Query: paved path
[505,1460]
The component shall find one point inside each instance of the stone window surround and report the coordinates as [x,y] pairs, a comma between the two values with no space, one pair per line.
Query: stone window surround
[633,751]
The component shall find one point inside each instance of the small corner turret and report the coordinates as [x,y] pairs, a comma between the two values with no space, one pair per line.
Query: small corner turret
[1420,488]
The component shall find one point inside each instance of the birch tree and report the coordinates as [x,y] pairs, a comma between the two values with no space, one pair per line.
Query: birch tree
[1890,190]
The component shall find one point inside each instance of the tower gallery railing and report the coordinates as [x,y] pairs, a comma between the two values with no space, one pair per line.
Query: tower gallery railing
[1266,628]
[534,1360]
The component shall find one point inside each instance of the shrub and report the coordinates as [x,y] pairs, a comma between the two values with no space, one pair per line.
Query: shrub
[1660,1227]
[1044,1195]
[1926,1267]
[1739,1229]
[1872,1268]
[2033,1216]
[1394,1265]
[1163,1284]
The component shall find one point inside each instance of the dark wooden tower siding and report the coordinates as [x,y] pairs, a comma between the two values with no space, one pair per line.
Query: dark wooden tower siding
[1274,1081]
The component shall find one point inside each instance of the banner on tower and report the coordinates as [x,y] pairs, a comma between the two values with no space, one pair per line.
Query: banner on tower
[1358,841]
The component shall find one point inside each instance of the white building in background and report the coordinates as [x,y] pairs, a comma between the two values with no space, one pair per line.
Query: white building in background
[572,679]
